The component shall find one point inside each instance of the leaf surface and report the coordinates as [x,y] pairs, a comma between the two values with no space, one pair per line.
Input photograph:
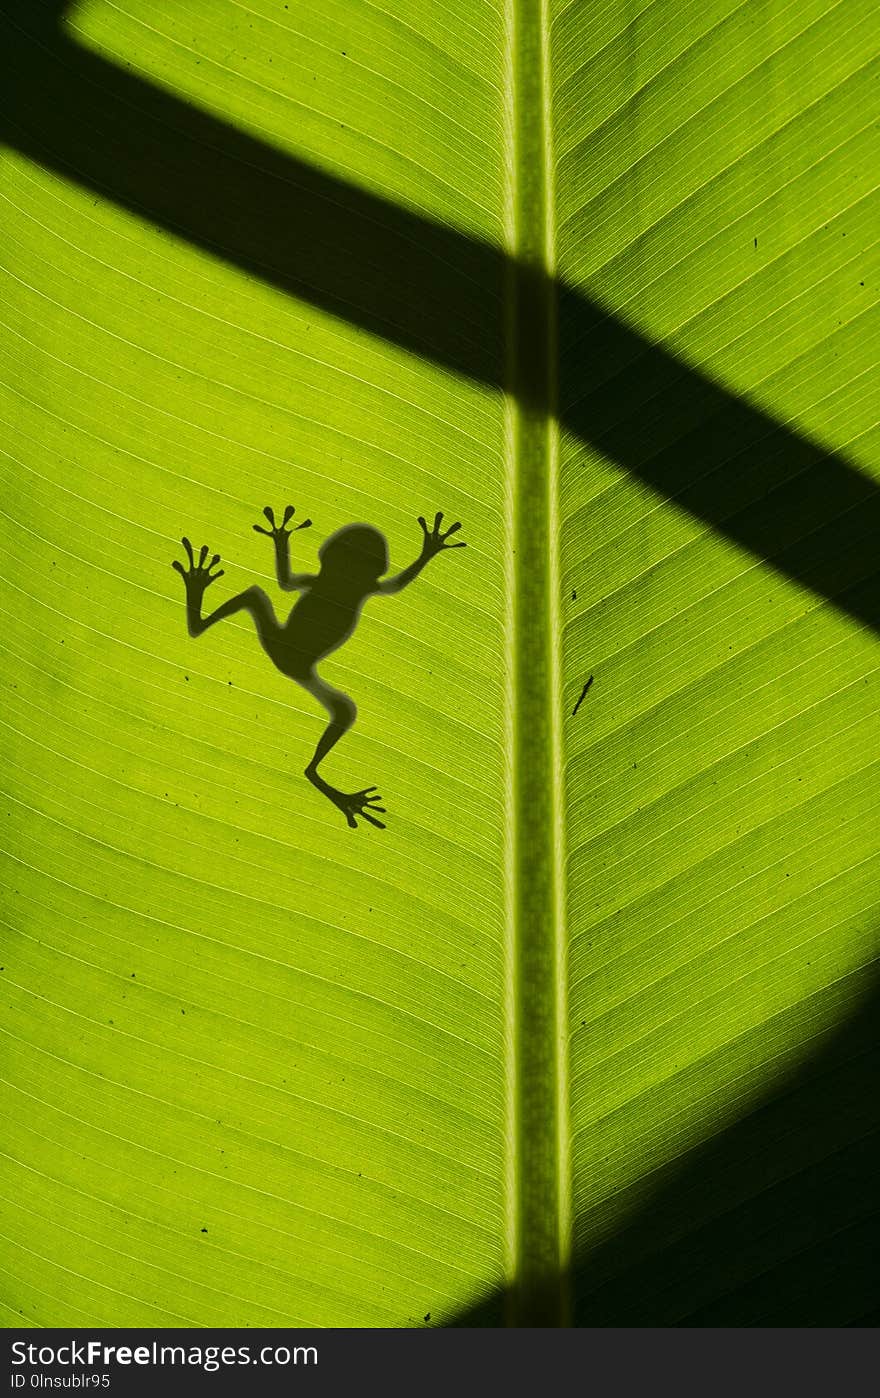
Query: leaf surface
[597,282]
[715,191]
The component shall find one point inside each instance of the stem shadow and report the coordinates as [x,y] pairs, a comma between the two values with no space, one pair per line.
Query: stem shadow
[439,294]
[773,1221]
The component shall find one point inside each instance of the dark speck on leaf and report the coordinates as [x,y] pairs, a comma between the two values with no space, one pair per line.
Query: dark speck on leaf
[582,697]
[204,1230]
[574,597]
[427,1317]
[756,242]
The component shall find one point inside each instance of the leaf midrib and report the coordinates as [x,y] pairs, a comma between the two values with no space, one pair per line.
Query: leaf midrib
[540,1185]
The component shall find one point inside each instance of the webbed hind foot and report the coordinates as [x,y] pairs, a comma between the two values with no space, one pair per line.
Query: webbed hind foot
[353,804]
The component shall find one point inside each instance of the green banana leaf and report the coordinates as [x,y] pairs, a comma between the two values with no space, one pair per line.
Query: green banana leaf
[586,1030]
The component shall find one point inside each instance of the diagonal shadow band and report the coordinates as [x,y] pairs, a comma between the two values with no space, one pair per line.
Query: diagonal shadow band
[439,294]
[773,1221]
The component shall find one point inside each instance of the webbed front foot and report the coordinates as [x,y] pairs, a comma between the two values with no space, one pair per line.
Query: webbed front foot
[197,576]
[285,528]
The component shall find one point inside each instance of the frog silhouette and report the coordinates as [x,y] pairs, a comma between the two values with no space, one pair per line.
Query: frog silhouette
[353,564]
